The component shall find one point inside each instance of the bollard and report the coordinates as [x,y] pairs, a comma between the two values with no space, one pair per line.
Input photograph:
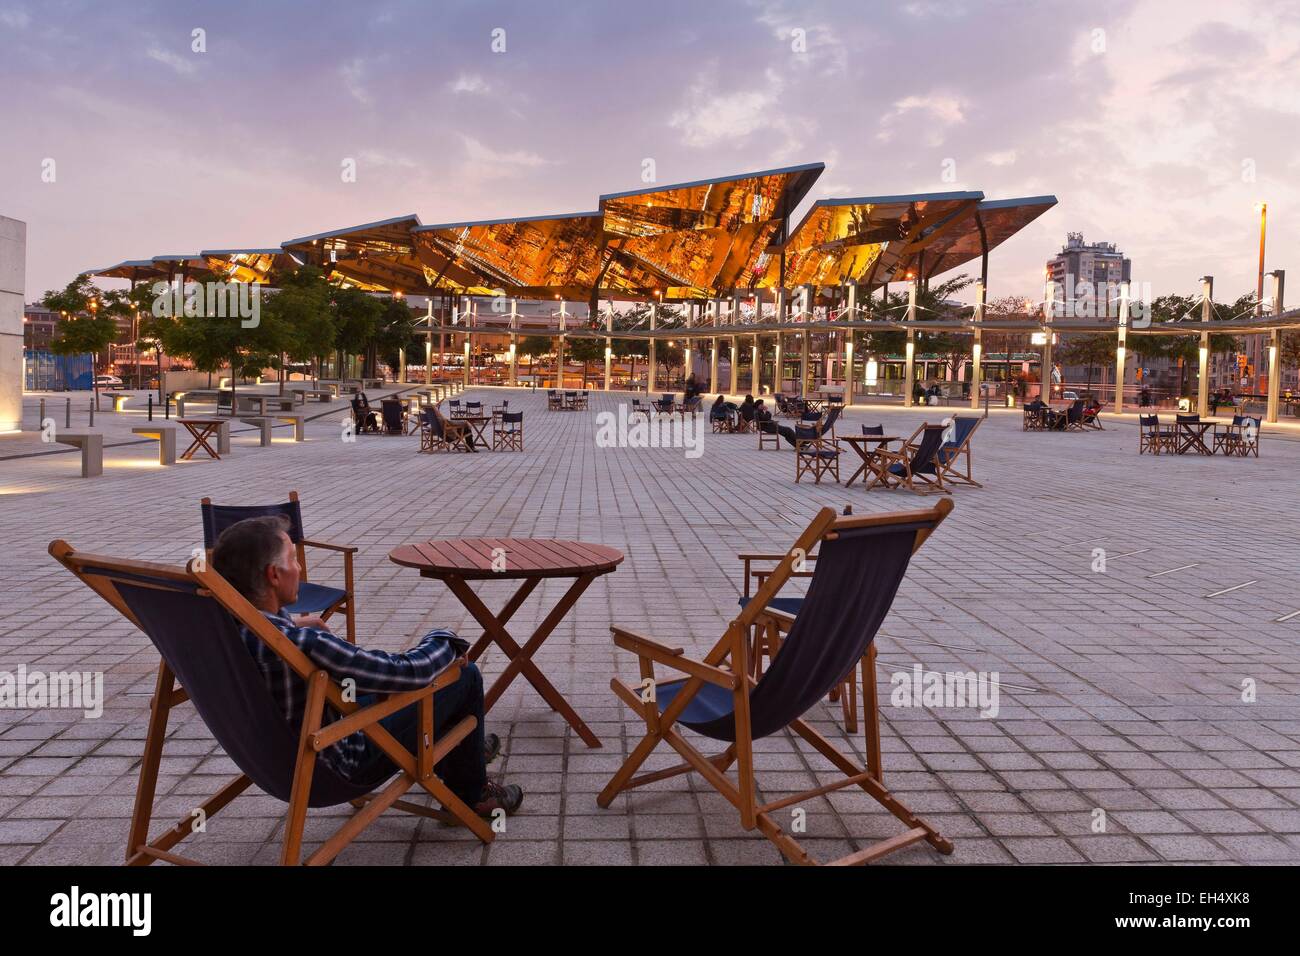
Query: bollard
[151,406]
[67,414]
[167,407]
[92,413]
[40,422]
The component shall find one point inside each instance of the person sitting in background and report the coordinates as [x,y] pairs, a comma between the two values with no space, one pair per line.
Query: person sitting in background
[746,409]
[260,561]
[362,415]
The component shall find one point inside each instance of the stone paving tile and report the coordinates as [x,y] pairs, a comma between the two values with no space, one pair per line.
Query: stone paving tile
[1119,691]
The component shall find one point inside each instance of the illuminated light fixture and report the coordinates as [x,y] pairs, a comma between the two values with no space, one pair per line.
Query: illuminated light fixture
[873,372]
[1038,338]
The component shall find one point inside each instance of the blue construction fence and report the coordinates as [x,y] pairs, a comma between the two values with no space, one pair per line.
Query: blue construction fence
[43,371]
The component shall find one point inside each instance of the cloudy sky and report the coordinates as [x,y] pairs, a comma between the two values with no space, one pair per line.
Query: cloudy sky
[1159,125]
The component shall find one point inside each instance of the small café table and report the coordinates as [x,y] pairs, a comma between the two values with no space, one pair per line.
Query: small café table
[1191,437]
[458,561]
[477,422]
[860,444]
[201,429]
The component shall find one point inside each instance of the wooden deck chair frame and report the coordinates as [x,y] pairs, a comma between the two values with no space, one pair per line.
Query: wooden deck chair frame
[733,647]
[413,768]
[348,604]
[946,459]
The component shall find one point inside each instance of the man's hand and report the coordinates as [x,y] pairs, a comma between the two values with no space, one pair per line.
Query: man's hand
[310,620]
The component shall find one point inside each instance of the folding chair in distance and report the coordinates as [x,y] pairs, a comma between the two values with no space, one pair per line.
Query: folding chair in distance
[815,455]
[509,433]
[1152,436]
[313,598]
[192,616]
[951,453]
[860,565]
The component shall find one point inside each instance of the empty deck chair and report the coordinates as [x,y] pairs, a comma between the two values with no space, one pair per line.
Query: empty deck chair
[916,462]
[192,616]
[954,457]
[313,598]
[775,623]
[508,434]
[860,565]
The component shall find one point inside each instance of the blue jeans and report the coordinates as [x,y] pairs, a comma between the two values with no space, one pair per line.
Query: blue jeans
[463,769]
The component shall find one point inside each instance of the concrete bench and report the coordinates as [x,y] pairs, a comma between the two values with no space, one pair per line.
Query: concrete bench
[92,450]
[119,401]
[372,383]
[165,435]
[260,403]
[306,394]
[299,423]
[264,425]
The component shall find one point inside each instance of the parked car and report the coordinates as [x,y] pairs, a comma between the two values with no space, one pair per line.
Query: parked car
[1069,396]
[108,381]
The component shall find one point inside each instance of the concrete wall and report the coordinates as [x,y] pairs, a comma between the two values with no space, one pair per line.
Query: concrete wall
[13,268]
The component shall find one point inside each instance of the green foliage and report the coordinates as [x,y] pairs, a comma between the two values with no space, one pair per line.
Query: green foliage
[534,346]
[356,319]
[83,328]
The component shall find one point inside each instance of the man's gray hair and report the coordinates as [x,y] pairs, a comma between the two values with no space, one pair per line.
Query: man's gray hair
[246,549]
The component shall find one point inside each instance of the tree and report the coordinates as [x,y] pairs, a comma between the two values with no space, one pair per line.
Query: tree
[586,351]
[669,357]
[394,333]
[356,319]
[301,307]
[534,346]
[1090,351]
[84,327]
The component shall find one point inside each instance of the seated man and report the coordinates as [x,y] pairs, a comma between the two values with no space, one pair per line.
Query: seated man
[258,559]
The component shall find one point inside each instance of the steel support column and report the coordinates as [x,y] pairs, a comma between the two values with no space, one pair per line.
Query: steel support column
[1203,377]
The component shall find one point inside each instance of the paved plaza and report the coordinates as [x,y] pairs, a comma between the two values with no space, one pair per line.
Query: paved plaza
[1123,733]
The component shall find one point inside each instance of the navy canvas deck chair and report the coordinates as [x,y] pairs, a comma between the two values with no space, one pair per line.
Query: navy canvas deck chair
[312,598]
[861,561]
[192,616]
[915,466]
[393,416]
[954,455]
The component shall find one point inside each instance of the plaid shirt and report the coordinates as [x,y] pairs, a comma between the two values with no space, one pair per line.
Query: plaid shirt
[375,672]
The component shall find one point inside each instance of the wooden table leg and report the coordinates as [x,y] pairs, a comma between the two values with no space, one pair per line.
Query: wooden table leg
[861,468]
[521,657]
[507,612]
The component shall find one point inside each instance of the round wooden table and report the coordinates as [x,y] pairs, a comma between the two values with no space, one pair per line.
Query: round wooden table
[457,561]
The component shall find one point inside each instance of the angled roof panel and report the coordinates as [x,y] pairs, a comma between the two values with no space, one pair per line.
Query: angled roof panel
[864,239]
[375,255]
[708,236]
[1001,220]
